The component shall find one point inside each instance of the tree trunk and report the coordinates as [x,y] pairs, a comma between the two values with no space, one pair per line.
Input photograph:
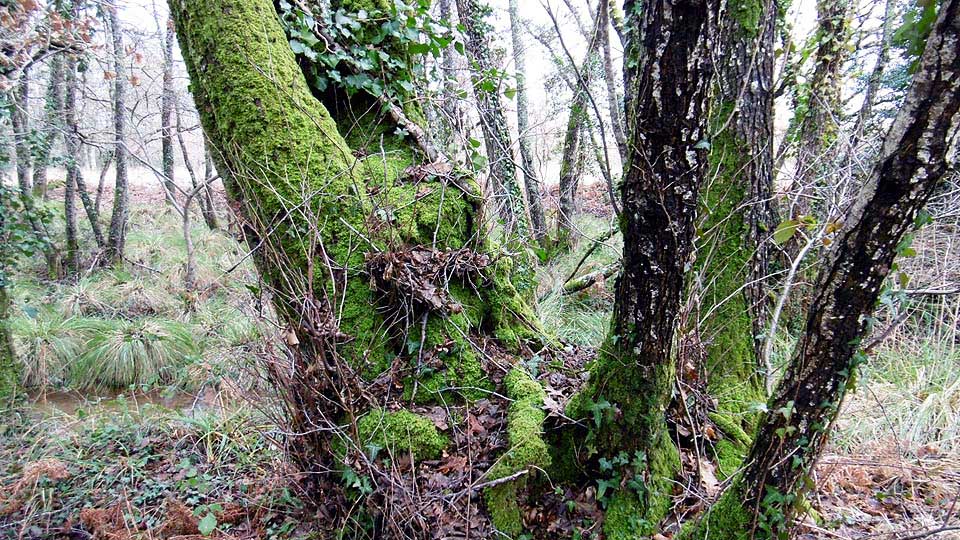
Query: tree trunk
[203,190]
[805,405]
[116,239]
[876,75]
[166,118]
[19,120]
[733,243]
[54,123]
[538,222]
[614,103]
[324,226]
[818,122]
[630,383]
[571,163]
[9,364]
[74,173]
[453,114]
[208,208]
[508,199]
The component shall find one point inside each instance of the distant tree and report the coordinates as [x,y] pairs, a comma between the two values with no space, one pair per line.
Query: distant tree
[538,222]
[166,116]
[116,239]
[507,196]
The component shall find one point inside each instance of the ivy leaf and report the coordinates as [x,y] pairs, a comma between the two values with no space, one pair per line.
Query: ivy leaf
[207,525]
[785,231]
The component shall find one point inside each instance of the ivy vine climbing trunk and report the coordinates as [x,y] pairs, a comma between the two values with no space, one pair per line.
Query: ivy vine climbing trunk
[538,222]
[508,199]
[819,106]
[116,239]
[733,242]
[630,382]
[792,435]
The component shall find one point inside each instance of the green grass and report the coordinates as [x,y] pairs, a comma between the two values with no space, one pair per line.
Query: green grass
[136,325]
[582,318]
[908,395]
[120,353]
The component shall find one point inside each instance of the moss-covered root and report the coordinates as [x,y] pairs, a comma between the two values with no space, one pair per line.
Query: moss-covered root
[726,519]
[634,514]
[527,449]
[401,431]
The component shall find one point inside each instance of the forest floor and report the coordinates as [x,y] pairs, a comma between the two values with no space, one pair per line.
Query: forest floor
[194,452]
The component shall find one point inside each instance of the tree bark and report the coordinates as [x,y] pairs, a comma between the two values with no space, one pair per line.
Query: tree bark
[614,102]
[116,239]
[805,405]
[73,146]
[508,199]
[9,364]
[19,120]
[818,123]
[166,118]
[571,164]
[667,161]
[317,219]
[733,247]
[51,130]
[538,222]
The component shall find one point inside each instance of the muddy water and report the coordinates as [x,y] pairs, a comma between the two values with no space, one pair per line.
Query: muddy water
[72,402]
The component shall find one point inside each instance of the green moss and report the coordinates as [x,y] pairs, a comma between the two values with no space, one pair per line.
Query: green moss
[512,319]
[632,515]
[726,519]
[732,365]
[527,450]
[748,14]
[729,457]
[401,431]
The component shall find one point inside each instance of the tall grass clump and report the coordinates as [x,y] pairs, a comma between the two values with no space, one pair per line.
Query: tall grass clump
[48,344]
[144,352]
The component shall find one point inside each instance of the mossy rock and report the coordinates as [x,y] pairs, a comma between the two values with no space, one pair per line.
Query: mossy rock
[402,431]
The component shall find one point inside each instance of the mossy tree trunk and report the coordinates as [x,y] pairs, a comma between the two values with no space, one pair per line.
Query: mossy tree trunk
[508,198]
[792,435]
[329,231]
[630,383]
[819,107]
[54,123]
[9,368]
[733,244]
[166,117]
[571,162]
[19,120]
